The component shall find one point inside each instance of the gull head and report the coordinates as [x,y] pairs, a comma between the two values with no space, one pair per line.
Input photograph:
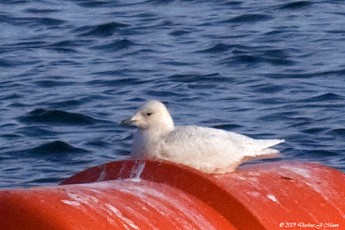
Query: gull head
[152,115]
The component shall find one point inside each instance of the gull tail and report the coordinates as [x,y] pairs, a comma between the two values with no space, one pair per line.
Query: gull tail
[264,144]
[256,149]
[259,149]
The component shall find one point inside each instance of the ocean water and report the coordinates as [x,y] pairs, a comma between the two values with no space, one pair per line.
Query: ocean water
[71,70]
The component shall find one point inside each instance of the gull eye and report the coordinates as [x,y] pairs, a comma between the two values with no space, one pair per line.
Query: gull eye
[148,114]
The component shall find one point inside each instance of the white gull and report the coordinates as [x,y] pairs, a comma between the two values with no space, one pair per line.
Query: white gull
[209,150]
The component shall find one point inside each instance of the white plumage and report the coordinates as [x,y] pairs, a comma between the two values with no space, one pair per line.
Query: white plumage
[207,149]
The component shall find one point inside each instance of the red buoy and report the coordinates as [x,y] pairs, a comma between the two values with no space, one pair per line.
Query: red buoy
[162,195]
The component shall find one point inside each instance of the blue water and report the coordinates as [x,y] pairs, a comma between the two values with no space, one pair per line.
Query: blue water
[70,71]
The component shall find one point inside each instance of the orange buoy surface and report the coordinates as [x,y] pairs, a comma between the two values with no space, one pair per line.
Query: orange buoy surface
[163,195]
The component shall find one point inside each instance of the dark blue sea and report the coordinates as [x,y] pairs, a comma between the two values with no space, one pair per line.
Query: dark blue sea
[71,70]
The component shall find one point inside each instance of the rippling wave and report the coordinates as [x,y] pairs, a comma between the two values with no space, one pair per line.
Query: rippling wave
[71,70]
[57,117]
